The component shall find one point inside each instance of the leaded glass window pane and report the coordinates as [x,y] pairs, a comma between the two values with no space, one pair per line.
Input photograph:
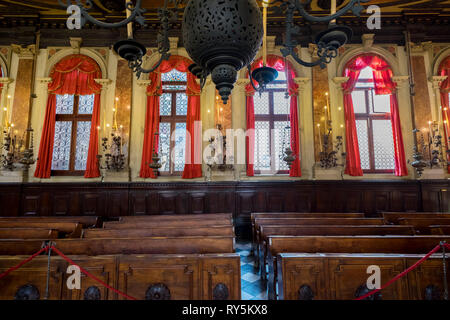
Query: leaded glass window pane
[86,104]
[262,146]
[359,101]
[366,74]
[82,147]
[182,104]
[64,104]
[174,87]
[282,137]
[363,143]
[61,145]
[174,75]
[164,145]
[381,103]
[281,104]
[180,146]
[280,82]
[261,103]
[165,104]
[383,145]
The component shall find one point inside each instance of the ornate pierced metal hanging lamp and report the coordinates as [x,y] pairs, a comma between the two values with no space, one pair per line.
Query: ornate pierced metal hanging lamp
[224,36]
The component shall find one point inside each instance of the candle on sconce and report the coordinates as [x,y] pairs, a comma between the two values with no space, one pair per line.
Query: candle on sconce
[320,136]
[115,114]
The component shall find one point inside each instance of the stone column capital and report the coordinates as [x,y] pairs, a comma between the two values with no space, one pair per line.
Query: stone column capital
[302,82]
[400,80]
[104,83]
[143,83]
[437,80]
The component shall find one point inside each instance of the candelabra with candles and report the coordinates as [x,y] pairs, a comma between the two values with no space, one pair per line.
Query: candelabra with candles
[113,151]
[428,152]
[15,150]
[155,165]
[329,150]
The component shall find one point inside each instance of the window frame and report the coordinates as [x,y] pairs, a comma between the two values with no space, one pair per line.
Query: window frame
[272,118]
[75,117]
[172,119]
[369,118]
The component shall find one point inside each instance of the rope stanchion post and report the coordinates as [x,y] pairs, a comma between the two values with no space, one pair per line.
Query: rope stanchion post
[444,264]
[48,245]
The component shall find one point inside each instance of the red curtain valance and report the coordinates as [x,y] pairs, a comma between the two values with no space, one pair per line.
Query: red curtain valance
[444,70]
[384,85]
[192,167]
[279,64]
[382,73]
[75,74]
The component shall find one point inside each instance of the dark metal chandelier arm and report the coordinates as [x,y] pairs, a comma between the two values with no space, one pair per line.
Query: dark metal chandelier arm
[260,89]
[136,13]
[354,5]
[289,51]
[136,66]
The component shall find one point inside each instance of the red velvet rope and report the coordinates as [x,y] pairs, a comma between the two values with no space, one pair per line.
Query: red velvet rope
[400,275]
[4,274]
[91,275]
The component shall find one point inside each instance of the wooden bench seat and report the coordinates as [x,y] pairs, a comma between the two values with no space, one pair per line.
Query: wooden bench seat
[172,217]
[159,232]
[86,221]
[71,229]
[424,222]
[179,277]
[302,276]
[162,223]
[28,233]
[440,229]
[296,215]
[108,246]
[392,217]
[345,244]
[321,230]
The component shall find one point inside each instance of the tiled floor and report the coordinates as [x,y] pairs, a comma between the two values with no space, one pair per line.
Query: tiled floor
[252,288]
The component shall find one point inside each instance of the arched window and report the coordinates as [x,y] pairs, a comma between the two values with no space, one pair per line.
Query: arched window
[274,117]
[172,127]
[373,124]
[272,128]
[374,141]
[69,142]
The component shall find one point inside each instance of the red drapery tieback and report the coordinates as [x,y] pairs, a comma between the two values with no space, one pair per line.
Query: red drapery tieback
[382,75]
[444,70]
[278,63]
[193,167]
[74,74]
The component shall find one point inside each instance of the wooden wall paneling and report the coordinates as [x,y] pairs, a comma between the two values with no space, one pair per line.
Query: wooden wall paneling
[435,196]
[137,203]
[198,202]
[10,199]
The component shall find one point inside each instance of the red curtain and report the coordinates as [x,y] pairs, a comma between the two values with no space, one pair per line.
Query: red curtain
[382,75]
[193,167]
[278,63]
[1,84]
[74,74]
[444,70]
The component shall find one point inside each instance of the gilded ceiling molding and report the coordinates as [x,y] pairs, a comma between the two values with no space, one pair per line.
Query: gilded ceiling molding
[27,52]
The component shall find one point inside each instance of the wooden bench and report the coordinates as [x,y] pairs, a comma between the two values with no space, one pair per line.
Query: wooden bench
[71,229]
[321,230]
[162,223]
[295,215]
[159,232]
[86,221]
[28,233]
[327,276]
[344,244]
[310,221]
[440,229]
[175,217]
[178,277]
[392,217]
[107,246]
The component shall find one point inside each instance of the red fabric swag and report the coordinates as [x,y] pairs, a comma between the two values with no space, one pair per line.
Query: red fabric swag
[444,70]
[278,63]
[382,75]
[193,167]
[74,74]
